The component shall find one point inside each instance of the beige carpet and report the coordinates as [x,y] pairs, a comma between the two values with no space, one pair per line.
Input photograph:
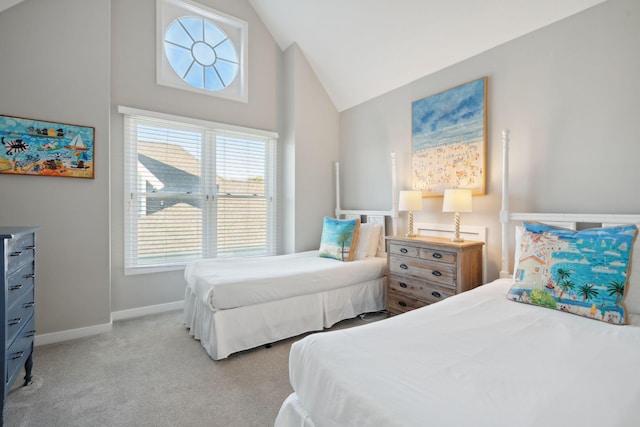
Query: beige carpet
[150,372]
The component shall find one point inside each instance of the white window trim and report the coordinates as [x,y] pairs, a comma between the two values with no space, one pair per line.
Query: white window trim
[198,122]
[165,75]
[192,121]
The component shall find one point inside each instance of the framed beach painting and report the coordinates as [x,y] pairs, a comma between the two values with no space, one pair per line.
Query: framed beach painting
[448,140]
[38,147]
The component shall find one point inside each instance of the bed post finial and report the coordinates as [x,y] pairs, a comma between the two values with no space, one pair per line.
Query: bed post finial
[504,212]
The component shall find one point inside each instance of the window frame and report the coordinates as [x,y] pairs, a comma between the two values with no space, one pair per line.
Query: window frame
[209,196]
[167,11]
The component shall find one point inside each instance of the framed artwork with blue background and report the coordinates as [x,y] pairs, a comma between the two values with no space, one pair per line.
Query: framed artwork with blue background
[449,139]
[38,147]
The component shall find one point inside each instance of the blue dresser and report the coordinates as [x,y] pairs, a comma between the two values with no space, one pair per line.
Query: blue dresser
[18,255]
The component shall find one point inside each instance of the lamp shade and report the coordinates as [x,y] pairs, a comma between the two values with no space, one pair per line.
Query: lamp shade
[457,200]
[410,200]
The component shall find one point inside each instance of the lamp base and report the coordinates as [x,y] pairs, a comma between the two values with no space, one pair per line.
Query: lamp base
[409,232]
[456,234]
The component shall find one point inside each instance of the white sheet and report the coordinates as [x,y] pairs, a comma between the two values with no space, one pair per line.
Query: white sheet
[473,359]
[231,283]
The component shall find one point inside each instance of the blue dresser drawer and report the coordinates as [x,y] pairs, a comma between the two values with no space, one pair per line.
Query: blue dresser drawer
[19,283]
[18,352]
[20,251]
[19,315]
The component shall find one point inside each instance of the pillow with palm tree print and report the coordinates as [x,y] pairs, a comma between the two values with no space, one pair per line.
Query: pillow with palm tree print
[581,272]
[339,238]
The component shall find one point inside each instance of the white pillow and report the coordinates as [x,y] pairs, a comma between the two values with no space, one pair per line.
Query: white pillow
[368,238]
[364,236]
[374,239]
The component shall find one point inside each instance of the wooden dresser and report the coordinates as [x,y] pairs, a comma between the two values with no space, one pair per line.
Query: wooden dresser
[18,251]
[424,270]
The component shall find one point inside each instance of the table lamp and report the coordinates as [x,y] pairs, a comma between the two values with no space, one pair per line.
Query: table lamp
[410,200]
[457,200]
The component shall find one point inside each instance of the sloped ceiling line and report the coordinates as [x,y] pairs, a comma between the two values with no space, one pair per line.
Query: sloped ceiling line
[361,49]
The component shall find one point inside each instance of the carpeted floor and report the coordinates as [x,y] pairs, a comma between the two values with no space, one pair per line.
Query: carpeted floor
[150,372]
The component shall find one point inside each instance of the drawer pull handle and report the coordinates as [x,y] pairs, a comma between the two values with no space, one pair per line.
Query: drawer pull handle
[404,250]
[29,334]
[15,287]
[436,273]
[14,321]
[437,255]
[31,247]
[29,276]
[17,355]
[402,284]
[29,304]
[436,294]
[402,303]
[16,253]
[404,266]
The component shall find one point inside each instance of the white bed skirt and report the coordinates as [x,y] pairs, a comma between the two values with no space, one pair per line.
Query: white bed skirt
[293,414]
[223,332]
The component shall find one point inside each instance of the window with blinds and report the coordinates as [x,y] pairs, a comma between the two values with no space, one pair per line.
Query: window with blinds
[196,189]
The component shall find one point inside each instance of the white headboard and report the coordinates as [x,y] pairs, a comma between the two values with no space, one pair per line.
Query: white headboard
[573,221]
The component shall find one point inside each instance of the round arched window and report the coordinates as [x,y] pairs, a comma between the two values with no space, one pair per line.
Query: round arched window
[201,53]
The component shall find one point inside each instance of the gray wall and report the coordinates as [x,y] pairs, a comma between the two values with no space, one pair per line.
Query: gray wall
[55,67]
[569,95]
[311,124]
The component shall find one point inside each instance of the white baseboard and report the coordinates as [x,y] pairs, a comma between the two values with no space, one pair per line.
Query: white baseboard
[144,311]
[71,334]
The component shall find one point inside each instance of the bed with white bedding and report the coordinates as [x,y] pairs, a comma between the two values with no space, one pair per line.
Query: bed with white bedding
[482,358]
[238,304]
[234,305]
[474,359]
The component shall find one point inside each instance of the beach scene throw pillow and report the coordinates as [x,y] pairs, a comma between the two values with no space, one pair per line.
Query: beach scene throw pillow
[581,272]
[339,238]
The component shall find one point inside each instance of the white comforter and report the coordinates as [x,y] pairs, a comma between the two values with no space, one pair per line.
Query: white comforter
[472,360]
[239,282]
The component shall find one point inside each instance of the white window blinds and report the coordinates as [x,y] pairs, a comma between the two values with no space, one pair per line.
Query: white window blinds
[196,190]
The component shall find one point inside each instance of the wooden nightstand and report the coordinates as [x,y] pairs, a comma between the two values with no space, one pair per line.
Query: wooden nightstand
[424,270]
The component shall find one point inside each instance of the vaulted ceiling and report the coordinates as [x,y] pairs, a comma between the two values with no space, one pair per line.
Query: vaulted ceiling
[360,49]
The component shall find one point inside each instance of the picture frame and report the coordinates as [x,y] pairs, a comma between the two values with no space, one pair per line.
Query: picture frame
[45,148]
[449,139]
